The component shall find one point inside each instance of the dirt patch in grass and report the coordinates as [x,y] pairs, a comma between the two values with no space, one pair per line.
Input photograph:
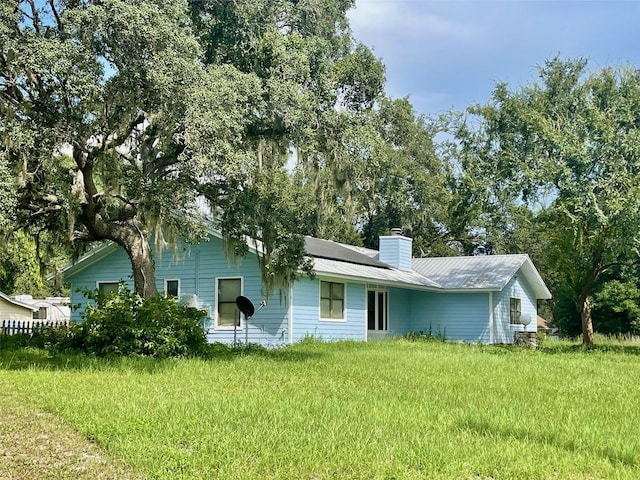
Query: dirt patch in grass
[35,444]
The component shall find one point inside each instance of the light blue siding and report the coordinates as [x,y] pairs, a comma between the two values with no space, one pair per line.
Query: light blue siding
[399,311]
[460,316]
[395,250]
[306,312]
[518,287]
[114,268]
[456,316]
[197,267]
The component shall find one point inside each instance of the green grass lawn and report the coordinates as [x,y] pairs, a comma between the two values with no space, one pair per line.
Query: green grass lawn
[392,409]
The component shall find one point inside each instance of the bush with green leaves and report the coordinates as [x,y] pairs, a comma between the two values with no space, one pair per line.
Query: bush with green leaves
[123,323]
[616,308]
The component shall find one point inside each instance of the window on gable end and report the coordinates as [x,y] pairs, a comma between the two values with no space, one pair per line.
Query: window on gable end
[515,310]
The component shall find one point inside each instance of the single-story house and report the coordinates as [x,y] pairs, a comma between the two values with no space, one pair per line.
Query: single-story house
[13,309]
[356,293]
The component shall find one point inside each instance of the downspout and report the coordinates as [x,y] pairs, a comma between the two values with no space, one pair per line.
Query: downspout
[197,292]
[491,320]
[290,317]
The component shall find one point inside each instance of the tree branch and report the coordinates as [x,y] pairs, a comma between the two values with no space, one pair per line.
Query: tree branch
[119,138]
[607,266]
[35,18]
[56,16]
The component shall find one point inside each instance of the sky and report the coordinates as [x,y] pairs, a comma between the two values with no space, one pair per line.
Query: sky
[450,54]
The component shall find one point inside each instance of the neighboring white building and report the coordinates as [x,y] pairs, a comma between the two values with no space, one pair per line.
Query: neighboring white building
[50,308]
[13,309]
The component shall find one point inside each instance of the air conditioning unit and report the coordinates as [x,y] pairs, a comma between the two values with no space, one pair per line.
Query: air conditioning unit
[189,299]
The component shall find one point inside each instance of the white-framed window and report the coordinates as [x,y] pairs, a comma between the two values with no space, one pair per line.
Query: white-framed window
[172,287]
[332,300]
[106,288]
[227,313]
[515,310]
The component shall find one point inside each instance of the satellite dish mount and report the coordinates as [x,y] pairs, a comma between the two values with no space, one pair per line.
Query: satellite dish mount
[247,309]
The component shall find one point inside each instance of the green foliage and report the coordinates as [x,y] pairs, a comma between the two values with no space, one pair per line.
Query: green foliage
[566,316]
[120,115]
[13,342]
[310,338]
[428,336]
[568,147]
[616,308]
[23,264]
[123,323]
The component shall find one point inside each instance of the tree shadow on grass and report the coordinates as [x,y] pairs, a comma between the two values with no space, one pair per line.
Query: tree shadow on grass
[486,428]
[27,358]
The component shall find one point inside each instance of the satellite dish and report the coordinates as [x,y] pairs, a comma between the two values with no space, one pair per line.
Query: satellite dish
[245,306]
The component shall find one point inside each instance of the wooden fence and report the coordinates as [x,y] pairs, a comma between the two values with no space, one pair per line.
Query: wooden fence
[17,327]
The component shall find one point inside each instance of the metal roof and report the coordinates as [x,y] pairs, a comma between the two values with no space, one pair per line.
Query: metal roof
[488,272]
[483,272]
[385,276]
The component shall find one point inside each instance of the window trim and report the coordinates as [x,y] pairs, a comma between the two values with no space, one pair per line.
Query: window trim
[166,281]
[517,303]
[344,304]
[100,282]
[216,326]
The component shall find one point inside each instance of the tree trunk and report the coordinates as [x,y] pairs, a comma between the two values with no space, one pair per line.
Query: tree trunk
[584,305]
[121,227]
[587,323]
[136,244]
[132,239]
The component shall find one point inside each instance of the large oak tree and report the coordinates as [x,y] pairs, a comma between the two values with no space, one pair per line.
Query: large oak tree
[120,115]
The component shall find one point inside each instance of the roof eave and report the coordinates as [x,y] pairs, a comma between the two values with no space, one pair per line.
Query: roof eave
[17,302]
[535,280]
[386,283]
[89,259]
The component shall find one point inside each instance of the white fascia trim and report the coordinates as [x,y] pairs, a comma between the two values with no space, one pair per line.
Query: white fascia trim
[368,280]
[18,303]
[470,290]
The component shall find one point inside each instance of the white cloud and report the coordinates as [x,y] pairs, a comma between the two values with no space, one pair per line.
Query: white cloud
[402,19]
[459,49]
